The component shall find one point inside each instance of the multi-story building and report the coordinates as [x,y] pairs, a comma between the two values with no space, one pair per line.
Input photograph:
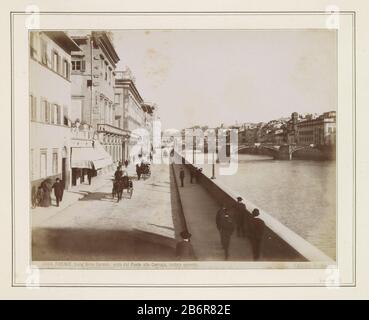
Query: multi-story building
[93,81]
[134,115]
[320,131]
[50,102]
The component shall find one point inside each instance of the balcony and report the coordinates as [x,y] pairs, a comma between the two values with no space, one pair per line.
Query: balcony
[82,132]
[109,129]
[125,75]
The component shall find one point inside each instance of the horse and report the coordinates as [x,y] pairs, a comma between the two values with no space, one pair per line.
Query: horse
[119,185]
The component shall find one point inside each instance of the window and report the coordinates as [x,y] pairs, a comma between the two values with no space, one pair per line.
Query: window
[116,98]
[55,114]
[43,163]
[55,61]
[33,104]
[32,45]
[44,57]
[55,162]
[58,114]
[65,116]
[66,69]
[79,65]
[45,111]
[106,72]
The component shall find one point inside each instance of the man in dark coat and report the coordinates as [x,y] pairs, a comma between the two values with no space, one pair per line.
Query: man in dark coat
[184,250]
[257,232]
[219,219]
[58,191]
[192,174]
[220,216]
[126,163]
[240,217]
[89,175]
[118,173]
[226,230]
[138,171]
[181,176]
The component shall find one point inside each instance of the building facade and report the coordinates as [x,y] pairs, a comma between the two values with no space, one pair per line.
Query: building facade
[134,115]
[50,103]
[93,80]
[318,132]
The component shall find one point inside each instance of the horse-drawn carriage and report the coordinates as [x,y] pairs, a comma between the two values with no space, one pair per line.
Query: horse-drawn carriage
[145,170]
[119,185]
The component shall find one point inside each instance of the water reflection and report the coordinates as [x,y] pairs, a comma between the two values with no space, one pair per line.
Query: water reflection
[299,193]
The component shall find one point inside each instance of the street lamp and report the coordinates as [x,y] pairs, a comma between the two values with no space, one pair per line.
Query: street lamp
[193,149]
[213,176]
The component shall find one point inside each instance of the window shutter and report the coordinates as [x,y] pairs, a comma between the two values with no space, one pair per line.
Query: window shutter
[47,112]
[65,115]
[52,114]
[83,65]
[59,115]
[34,109]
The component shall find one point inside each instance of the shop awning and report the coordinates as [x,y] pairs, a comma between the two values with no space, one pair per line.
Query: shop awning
[90,158]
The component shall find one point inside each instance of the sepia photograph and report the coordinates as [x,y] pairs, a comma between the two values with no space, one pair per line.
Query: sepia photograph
[183,146]
[184,152]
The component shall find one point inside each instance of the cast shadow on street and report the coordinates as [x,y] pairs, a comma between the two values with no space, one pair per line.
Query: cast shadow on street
[50,244]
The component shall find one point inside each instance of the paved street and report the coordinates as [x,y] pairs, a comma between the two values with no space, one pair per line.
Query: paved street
[95,227]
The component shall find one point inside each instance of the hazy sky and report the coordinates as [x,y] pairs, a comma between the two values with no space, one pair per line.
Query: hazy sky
[209,77]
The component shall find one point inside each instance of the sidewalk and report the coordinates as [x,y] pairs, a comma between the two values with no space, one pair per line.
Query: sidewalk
[70,197]
[199,210]
[94,226]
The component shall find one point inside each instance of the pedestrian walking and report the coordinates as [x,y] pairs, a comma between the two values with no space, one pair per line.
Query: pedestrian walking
[58,191]
[240,217]
[138,171]
[184,250]
[126,163]
[257,232]
[226,231]
[89,176]
[220,216]
[181,176]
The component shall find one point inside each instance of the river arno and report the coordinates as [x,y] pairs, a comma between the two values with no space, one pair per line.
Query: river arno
[299,193]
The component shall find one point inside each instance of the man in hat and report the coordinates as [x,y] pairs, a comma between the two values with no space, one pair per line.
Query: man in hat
[58,191]
[138,171]
[226,230]
[257,232]
[240,217]
[184,250]
[220,216]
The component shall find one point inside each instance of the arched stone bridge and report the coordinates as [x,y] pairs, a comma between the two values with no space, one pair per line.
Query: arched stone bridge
[282,152]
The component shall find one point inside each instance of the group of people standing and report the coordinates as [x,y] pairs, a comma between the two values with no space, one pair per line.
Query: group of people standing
[42,197]
[246,225]
[195,175]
